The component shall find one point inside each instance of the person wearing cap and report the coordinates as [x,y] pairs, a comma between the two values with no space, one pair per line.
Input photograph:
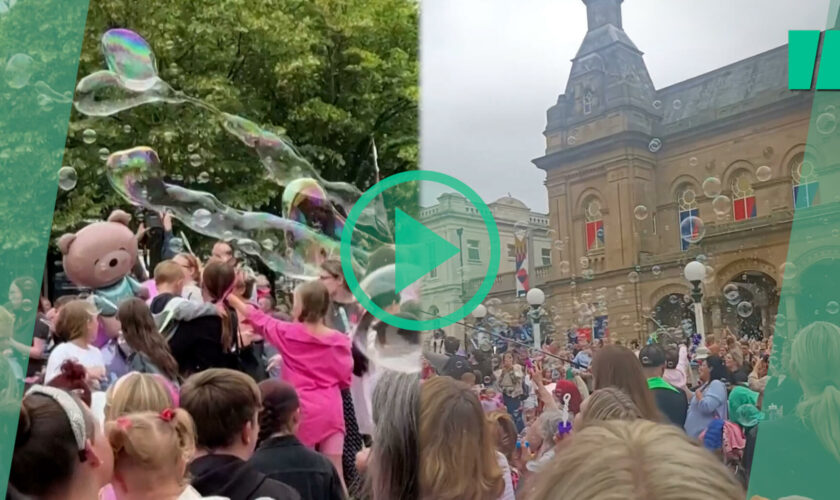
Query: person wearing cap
[672,402]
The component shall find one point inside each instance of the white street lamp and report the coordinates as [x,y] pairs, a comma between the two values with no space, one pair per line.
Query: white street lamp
[695,272]
[479,312]
[535,298]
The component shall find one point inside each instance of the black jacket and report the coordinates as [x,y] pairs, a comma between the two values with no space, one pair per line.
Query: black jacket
[197,344]
[229,476]
[674,405]
[287,460]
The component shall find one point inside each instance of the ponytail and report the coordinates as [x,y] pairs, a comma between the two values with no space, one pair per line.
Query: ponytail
[820,412]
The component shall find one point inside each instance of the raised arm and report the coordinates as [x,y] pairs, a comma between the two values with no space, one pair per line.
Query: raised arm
[271,329]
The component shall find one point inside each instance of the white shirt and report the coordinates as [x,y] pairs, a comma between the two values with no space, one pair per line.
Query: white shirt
[88,357]
[503,463]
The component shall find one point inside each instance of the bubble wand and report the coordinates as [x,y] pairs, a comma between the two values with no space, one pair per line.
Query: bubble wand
[565,426]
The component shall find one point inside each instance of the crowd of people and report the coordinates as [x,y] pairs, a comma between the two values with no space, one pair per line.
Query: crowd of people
[209,390]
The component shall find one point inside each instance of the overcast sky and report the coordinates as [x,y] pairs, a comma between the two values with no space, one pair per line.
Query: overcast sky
[491,69]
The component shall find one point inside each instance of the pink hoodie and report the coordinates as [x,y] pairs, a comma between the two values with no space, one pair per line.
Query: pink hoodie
[319,367]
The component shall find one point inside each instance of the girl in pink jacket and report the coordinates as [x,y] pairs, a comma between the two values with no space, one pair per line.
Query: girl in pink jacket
[317,361]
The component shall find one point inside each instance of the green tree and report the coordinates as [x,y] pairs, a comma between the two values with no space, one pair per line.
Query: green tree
[330,74]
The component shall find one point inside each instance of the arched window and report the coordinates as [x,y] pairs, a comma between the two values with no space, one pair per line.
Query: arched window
[805,182]
[594,225]
[687,201]
[743,196]
[587,102]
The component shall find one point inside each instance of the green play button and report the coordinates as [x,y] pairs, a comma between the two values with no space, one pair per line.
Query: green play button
[418,250]
[420,272]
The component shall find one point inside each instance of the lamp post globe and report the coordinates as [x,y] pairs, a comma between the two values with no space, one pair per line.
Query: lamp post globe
[694,271]
[479,312]
[535,297]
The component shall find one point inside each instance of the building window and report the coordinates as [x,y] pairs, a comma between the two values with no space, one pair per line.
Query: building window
[687,201]
[511,251]
[743,197]
[473,254]
[545,253]
[594,226]
[805,182]
[587,102]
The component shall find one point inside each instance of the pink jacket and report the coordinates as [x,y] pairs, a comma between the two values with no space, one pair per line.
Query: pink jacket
[319,367]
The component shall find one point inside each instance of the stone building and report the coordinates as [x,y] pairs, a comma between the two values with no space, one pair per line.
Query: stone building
[626,176]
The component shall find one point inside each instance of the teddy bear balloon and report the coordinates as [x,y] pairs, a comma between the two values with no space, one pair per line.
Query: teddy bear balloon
[100,257]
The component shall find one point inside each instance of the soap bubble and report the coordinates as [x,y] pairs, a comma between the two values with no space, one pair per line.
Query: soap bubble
[619,291]
[588,274]
[832,307]
[641,212]
[763,173]
[711,187]
[730,291]
[745,309]
[248,246]
[633,277]
[520,229]
[559,245]
[584,262]
[692,229]
[19,70]
[674,299]
[677,104]
[656,270]
[268,244]
[196,160]
[692,162]
[657,104]
[625,320]
[89,136]
[655,144]
[176,245]
[127,128]
[192,147]
[129,56]
[722,205]
[103,154]
[67,178]
[788,270]
[826,123]
[572,140]
[203,178]
[564,267]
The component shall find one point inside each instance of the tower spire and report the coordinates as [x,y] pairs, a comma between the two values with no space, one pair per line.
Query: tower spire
[601,12]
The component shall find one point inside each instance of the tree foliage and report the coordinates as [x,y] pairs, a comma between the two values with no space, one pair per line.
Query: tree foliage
[330,74]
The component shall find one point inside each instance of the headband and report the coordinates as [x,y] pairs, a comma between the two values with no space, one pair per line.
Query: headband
[70,407]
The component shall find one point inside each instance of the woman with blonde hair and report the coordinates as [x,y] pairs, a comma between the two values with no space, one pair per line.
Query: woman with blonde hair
[617,366]
[648,461]
[805,443]
[151,453]
[458,457]
[604,404]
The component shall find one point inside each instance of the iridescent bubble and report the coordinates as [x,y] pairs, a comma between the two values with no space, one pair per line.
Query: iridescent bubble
[763,173]
[588,274]
[129,56]
[788,270]
[104,94]
[633,277]
[692,229]
[677,104]
[103,154]
[89,136]
[127,128]
[250,247]
[584,262]
[196,160]
[656,270]
[832,307]
[564,267]
[192,147]
[674,299]
[655,144]
[305,201]
[176,245]
[619,291]
[625,320]
[722,205]
[657,104]
[701,258]
[637,327]
[19,70]
[711,187]
[45,102]
[572,140]
[780,319]
[559,245]
[745,309]
[641,212]
[692,162]
[268,244]
[67,178]
[730,291]
[203,178]
[826,123]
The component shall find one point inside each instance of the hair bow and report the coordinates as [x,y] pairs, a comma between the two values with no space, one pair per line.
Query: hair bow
[124,423]
[167,414]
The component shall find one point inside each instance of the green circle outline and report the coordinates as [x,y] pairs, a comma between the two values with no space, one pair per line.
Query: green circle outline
[450,182]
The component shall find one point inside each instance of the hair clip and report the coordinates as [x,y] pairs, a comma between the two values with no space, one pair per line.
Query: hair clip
[565,426]
[124,423]
[167,414]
